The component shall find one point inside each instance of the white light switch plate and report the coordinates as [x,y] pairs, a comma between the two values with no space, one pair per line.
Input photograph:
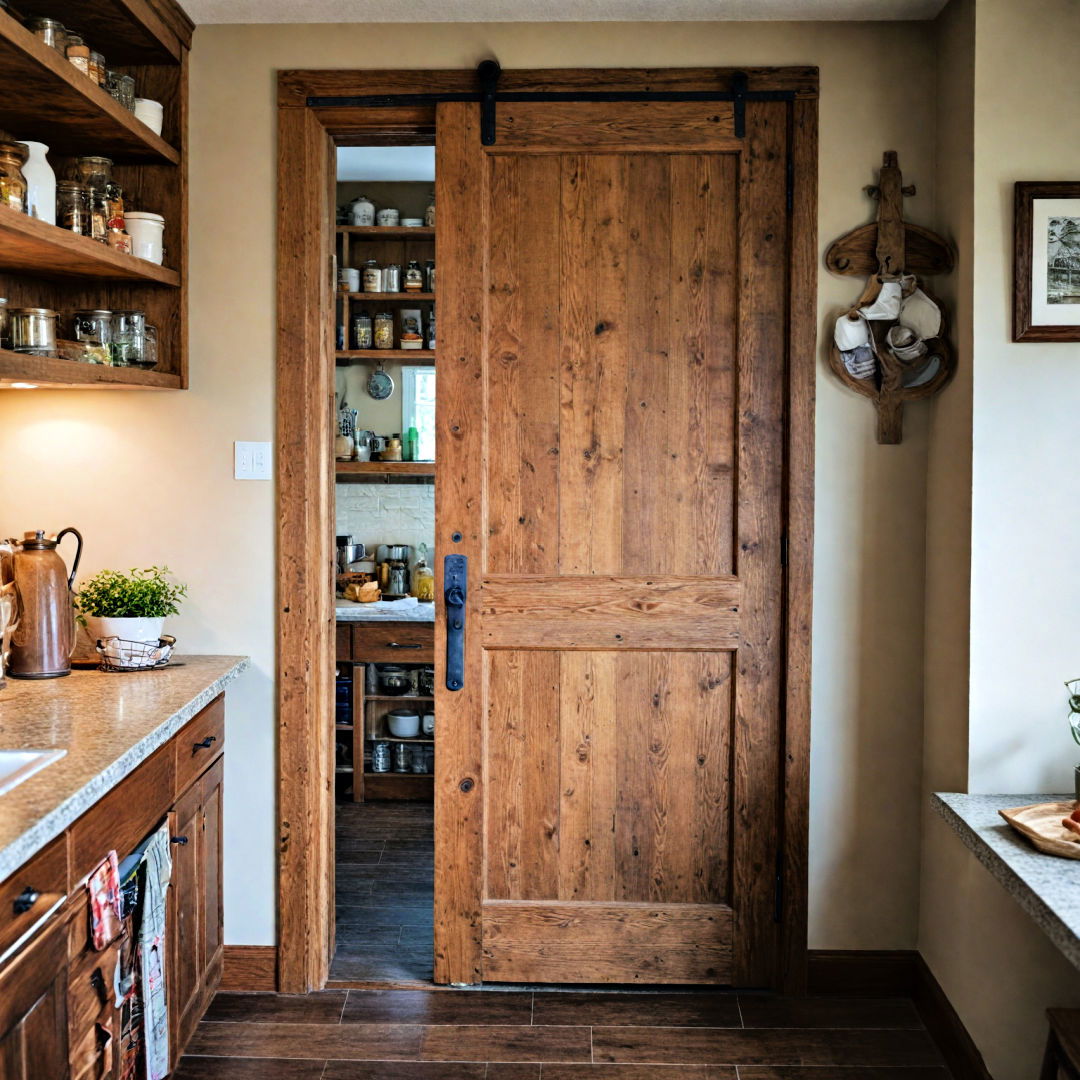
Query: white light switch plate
[252,461]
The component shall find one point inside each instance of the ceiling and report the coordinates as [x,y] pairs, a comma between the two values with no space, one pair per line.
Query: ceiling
[495,11]
[386,163]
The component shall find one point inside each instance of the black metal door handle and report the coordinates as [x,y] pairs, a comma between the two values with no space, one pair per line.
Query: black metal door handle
[455,593]
[399,645]
[179,840]
[26,900]
[205,744]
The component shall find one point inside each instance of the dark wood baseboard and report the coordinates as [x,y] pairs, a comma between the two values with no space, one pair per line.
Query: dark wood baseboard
[900,973]
[250,967]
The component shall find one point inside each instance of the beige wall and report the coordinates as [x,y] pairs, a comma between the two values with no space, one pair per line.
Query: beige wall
[148,476]
[1002,519]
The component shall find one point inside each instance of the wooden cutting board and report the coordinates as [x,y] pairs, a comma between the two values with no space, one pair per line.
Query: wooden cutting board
[1041,824]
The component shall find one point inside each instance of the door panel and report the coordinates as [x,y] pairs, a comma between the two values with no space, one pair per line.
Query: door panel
[611,461]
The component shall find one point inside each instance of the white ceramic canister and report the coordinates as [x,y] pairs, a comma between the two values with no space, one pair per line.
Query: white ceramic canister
[150,113]
[348,279]
[146,231]
[362,211]
[388,216]
[40,184]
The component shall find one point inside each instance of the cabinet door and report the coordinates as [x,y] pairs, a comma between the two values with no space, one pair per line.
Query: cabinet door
[213,929]
[33,1010]
[187,940]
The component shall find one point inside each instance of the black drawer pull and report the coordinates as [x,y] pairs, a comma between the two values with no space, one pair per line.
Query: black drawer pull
[179,840]
[205,744]
[26,900]
[398,645]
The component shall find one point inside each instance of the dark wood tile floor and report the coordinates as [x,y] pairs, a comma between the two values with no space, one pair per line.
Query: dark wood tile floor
[549,1035]
[385,892]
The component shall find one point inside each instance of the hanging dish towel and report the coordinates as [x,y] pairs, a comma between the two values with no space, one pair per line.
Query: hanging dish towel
[158,867]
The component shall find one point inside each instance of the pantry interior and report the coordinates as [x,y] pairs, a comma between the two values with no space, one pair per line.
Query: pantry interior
[384,725]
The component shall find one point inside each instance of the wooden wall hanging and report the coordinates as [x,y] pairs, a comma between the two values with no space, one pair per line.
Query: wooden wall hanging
[898,363]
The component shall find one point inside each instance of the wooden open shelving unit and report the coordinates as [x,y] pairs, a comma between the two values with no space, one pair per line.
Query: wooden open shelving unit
[388,232]
[45,98]
[406,357]
[350,470]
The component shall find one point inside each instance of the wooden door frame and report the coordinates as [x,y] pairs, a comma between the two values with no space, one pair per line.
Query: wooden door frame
[308,129]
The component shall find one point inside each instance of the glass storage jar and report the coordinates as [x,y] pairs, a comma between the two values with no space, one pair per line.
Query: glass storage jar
[73,207]
[96,174]
[94,326]
[33,330]
[78,53]
[13,156]
[128,338]
[97,68]
[51,32]
[384,330]
[361,331]
[122,88]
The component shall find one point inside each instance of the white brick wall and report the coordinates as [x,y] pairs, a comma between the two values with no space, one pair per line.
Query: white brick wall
[388,514]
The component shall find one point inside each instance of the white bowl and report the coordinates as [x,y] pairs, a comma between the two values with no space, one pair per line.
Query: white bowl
[403,724]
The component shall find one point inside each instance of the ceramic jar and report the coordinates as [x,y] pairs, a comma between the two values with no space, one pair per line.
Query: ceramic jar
[40,183]
[147,232]
[150,113]
[362,211]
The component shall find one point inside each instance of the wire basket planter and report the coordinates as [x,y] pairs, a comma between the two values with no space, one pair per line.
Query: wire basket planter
[119,654]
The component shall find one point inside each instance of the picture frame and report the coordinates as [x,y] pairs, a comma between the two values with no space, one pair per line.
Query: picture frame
[1046,264]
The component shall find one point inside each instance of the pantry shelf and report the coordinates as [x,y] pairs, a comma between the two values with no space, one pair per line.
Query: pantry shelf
[424,357]
[53,372]
[30,246]
[390,297]
[387,232]
[46,98]
[349,469]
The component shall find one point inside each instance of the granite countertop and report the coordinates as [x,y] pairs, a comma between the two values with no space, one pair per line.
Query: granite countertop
[107,723]
[383,611]
[1047,887]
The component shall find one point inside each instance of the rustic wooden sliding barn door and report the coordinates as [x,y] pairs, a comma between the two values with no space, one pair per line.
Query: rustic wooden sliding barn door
[613,317]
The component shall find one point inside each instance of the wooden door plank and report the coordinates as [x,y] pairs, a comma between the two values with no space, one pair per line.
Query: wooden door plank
[763,263]
[587,779]
[645,126]
[604,942]
[523,374]
[460,190]
[581,612]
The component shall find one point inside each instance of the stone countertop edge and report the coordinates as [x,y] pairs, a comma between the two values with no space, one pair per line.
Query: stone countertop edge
[1047,887]
[71,809]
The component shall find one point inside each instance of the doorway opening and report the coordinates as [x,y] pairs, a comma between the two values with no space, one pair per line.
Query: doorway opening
[384,513]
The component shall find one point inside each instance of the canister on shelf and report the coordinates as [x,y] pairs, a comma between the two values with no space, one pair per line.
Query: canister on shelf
[362,211]
[362,331]
[429,214]
[128,329]
[97,67]
[383,333]
[13,156]
[33,330]
[402,757]
[391,278]
[122,88]
[348,279]
[380,757]
[73,207]
[429,276]
[50,31]
[414,277]
[94,325]
[388,216]
[373,277]
[78,54]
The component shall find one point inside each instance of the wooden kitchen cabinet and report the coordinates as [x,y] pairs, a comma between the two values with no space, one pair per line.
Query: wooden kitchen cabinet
[33,1010]
[58,1020]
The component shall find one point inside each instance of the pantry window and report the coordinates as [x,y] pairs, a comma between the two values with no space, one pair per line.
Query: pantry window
[418,408]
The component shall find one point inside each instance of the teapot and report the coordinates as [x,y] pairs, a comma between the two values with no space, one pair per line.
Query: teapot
[44,635]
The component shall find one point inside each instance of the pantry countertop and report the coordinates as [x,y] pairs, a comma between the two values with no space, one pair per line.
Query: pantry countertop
[383,611]
[1047,887]
[106,724]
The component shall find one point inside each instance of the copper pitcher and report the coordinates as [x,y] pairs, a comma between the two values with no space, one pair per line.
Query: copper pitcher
[44,636]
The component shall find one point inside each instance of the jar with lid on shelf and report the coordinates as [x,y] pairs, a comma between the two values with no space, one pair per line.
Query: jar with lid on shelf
[13,156]
[372,277]
[362,331]
[97,68]
[33,330]
[362,211]
[96,174]
[73,207]
[384,330]
[50,31]
[414,277]
[429,213]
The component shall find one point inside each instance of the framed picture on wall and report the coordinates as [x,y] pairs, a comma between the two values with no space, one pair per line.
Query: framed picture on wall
[1046,285]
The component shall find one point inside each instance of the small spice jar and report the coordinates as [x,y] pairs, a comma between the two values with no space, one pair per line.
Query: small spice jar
[96,173]
[414,277]
[33,330]
[78,53]
[384,330]
[373,277]
[50,31]
[97,68]
[122,88]
[73,207]
[362,331]
[13,156]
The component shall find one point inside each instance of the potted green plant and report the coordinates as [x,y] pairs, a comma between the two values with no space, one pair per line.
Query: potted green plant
[1073,686]
[131,606]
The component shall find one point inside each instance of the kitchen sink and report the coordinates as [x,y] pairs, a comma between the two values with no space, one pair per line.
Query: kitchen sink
[19,765]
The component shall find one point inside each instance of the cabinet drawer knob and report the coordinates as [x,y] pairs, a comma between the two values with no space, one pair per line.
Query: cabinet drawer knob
[205,744]
[179,840]
[400,645]
[26,900]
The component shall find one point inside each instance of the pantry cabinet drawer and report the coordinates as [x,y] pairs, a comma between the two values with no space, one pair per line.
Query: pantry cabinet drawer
[31,891]
[200,743]
[391,643]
